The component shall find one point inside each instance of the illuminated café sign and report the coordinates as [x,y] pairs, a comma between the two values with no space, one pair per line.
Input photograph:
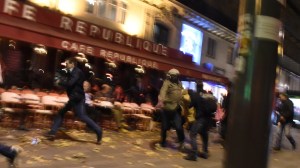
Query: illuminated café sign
[107,54]
[34,13]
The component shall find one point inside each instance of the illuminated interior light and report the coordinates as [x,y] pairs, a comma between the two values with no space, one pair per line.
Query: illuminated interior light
[92,2]
[206,86]
[129,22]
[41,2]
[40,49]
[191,42]
[69,7]
[41,70]
[140,69]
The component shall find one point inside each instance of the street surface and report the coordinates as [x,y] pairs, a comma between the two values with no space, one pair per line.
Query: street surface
[132,149]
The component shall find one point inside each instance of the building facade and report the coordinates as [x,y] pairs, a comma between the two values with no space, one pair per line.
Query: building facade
[153,34]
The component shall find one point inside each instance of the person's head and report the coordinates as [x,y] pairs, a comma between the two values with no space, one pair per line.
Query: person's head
[199,86]
[71,62]
[86,86]
[283,96]
[173,75]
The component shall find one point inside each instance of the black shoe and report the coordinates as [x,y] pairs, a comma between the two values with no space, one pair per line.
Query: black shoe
[203,155]
[49,136]
[99,138]
[163,144]
[181,147]
[276,148]
[190,157]
[23,128]
[294,146]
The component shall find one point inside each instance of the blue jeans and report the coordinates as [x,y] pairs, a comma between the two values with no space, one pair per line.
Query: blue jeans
[286,128]
[79,110]
[168,119]
[200,126]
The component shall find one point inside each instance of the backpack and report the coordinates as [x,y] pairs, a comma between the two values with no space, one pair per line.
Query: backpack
[210,104]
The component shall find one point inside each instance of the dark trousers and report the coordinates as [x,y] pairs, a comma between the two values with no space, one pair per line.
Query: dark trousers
[200,127]
[92,112]
[223,130]
[168,119]
[284,128]
[79,110]
[7,151]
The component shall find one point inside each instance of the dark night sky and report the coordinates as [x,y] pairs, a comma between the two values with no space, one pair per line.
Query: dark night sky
[225,13]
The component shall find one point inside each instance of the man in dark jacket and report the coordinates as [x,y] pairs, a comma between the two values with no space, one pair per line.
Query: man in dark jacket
[200,125]
[75,92]
[286,113]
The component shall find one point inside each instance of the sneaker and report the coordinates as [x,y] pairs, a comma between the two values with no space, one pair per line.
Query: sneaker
[190,157]
[49,136]
[99,138]
[181,147]
[163,144]
[294,146]
[22,128]
[16,150]
[203,155]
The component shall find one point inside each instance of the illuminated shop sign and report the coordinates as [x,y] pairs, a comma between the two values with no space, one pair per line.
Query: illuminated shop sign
[108,54]
[191,42]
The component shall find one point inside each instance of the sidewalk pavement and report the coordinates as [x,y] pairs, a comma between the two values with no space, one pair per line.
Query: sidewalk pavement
[132,149]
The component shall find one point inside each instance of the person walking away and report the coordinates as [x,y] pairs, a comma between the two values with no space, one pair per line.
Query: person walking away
[74,86]
[286,113]
[168,100]
[224,121]
[200,125]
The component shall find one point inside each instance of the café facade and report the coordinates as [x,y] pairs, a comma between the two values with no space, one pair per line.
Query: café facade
[26,25]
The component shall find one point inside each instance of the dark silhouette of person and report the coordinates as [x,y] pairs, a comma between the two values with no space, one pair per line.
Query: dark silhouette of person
[74,87]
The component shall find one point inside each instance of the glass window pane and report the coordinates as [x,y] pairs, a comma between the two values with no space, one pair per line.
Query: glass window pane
[161,34]
[102,7]
[89,7]
[112,10]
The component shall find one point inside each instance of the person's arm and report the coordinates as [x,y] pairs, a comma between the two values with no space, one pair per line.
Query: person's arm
[74,77]
[163,91]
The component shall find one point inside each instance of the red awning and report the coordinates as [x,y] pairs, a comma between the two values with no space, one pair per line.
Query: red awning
[28,31]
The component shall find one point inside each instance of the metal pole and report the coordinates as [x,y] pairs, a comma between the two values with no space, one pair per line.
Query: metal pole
[247,139]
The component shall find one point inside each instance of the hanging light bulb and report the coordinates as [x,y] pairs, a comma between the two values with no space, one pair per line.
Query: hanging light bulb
[87,65]
[81,57]
[111,64]
[12,44]
[109,76]
[40,49]
[139,69]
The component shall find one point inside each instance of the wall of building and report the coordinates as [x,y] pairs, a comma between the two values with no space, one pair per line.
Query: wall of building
[140,20]
[287,81]
[221,51]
